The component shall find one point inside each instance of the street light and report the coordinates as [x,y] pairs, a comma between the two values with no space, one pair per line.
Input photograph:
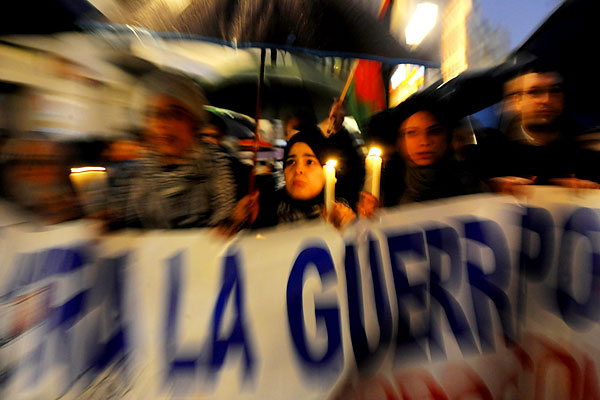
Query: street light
[422,21]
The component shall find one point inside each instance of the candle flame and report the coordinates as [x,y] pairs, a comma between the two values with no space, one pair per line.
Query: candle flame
[331,163]
[374,152]
[86,169]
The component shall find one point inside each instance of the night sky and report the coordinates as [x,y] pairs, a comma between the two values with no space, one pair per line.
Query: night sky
[519,17]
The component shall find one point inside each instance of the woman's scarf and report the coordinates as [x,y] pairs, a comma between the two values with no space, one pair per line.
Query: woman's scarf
[290,210]
[428,182]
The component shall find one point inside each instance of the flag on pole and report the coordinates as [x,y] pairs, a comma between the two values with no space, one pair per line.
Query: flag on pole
[366,92]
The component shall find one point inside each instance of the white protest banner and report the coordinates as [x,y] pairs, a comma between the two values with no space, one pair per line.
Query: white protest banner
[257,317]
[268,315]
[479,296]
[560,264]
[431,294]
[524,329]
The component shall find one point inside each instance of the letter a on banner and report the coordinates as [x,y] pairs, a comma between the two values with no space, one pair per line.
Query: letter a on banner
[232,284]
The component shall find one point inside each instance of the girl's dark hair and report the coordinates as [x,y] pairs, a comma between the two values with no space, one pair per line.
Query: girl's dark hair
[313,137]
[385,125]
[447,122]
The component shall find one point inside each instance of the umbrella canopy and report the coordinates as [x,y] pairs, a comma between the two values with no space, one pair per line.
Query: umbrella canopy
[237,125]
[280,96]
[341,28]
[229,77]
[291,83]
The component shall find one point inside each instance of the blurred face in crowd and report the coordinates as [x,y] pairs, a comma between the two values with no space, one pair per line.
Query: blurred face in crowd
[37,180]
[211,133]
[422,140]
[304,178]
[290,127]
[541,100]
[123,150]
[512,91]
[170,127]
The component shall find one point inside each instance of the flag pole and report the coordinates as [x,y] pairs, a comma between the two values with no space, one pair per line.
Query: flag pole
[261,79]
[380,13]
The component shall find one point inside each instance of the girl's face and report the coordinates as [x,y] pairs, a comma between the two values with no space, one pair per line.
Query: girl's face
[304,177]
[422,139]
[170,127]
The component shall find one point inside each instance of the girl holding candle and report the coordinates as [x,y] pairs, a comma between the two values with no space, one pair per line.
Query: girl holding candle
[424,167]
[307,184]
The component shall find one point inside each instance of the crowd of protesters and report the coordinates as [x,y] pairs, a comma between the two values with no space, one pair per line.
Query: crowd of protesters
[180,174]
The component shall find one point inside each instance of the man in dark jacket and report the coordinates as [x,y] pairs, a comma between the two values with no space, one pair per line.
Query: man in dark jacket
[539,146]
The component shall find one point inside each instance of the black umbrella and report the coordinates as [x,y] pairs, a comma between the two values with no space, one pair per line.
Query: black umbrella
[280,96]
[237,125]
[461,96]
[339,28]
[291,83]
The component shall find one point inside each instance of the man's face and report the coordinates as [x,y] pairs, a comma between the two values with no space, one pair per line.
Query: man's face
[542,100]
[170,127]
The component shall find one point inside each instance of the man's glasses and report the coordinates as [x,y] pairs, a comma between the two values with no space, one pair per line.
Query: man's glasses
[537,93]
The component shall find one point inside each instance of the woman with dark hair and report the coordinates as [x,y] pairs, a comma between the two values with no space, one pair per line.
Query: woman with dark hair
[423,167]
[302,197]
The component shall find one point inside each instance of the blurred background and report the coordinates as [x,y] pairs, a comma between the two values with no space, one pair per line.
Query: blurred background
[69,70]
[73,81]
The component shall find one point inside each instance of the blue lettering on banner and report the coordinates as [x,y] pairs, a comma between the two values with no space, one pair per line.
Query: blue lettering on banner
[99,340]
[535,261]
[110,291]
[584,224]
[174,289]
[360,343]
[330,363]
[489,287]
[34,267]
[213,356]
[46,265]
[238,339]
[536,221]
[441,241]
[408,335]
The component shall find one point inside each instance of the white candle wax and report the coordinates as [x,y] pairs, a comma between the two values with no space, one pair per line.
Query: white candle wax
[329,171]
[373,172]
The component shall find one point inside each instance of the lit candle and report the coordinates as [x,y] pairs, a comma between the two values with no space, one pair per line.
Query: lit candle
[329,170]
[91,185]
[373,171]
